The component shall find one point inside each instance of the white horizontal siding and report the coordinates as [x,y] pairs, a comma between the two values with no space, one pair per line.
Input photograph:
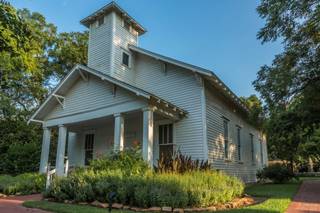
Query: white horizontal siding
[122,38]
[100,46]
[181,88]
[245,169]
[90,95]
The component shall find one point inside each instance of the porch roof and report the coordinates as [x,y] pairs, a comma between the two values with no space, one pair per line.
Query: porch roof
[81,70]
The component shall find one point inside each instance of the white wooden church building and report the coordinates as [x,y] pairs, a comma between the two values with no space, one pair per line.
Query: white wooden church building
[128,96]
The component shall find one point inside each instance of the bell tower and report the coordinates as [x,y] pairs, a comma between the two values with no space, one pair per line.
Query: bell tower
[111,30]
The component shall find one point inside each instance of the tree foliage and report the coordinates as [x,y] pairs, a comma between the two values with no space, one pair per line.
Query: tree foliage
[33,56]
[290,85]
[256,113]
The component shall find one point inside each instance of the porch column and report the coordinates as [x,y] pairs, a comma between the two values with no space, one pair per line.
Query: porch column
[118,132]
[61,150]
[147,146]
[45,150]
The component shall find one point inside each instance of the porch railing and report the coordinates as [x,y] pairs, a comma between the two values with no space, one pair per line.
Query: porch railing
[52,172]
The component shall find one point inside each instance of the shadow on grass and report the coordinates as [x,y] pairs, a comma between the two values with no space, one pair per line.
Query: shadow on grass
[270,190]
[248,211]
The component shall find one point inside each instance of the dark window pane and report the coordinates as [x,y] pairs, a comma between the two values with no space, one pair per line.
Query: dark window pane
[125,59]
[225,128]
[239,143]
[170,134]
[226,142]
[89,139]
[126,25]
[261,152]
[101,21]
[88,157]
[226,148]
[166,151]
[160,134]
[165,134]
[252,148]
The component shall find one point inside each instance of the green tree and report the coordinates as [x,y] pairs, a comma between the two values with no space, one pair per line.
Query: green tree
[256,113]
[69,49]
[32,54]
[290,85]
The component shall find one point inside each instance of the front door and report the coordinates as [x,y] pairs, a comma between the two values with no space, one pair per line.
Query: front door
[89,140]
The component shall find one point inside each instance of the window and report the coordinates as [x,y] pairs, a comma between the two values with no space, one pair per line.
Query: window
[165,68]
[239,142]
[261,152]
[126,25]
[125,59]
[226,138]
[88,148]
[166,140]
[101,21]
[252,148]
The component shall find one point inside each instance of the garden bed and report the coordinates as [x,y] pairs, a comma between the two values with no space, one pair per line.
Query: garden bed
[124,178]
[68,206]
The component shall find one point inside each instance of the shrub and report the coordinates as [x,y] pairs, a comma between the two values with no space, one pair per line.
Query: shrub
[27,183]
[277,173]
[130,162]
[199,188]
[20,145]
[179,163]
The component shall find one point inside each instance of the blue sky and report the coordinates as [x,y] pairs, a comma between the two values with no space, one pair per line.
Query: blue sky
[217,35]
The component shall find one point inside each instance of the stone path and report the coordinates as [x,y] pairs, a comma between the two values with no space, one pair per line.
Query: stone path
[307,199]
[14,204]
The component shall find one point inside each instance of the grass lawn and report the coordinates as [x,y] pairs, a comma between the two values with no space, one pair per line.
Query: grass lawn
[67,208]
[279,197]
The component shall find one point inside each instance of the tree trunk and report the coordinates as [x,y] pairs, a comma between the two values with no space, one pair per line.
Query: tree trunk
[310,165]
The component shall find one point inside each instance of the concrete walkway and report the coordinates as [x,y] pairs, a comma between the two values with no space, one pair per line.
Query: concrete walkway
[307,199]
[14,204]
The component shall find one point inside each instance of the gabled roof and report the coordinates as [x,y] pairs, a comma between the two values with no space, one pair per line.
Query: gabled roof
[207,74]
[112,6]
[78,69]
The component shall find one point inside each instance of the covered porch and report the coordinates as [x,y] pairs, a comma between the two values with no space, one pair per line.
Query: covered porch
[96,114]
[82,141]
